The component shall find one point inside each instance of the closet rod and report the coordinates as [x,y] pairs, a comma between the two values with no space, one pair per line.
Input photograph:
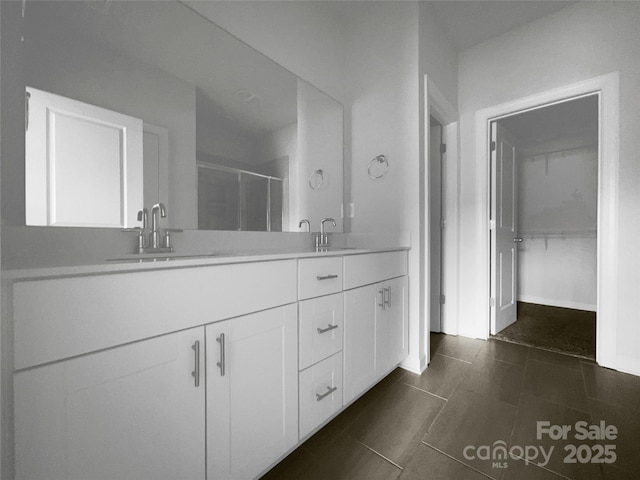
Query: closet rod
[585,147]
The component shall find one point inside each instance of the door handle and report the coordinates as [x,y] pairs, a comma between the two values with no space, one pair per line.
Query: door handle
[328,329]
[329,391]
[326,277]
[196,372]
[220,364]
[382,295]
[518,240]
[388,300]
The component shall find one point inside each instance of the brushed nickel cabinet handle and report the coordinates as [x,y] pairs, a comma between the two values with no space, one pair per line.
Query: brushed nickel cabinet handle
[388,300]
[220,364]
[383,303]
[196,372]
[329,391]
[326,277]
[328,329]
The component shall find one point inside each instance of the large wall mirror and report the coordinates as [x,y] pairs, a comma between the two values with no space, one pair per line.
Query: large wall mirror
[135,103]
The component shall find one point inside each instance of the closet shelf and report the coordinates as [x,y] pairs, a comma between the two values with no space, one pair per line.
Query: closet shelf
[561,235]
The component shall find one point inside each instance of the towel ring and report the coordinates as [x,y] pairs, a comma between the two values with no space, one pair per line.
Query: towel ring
[379,160]
[316,179]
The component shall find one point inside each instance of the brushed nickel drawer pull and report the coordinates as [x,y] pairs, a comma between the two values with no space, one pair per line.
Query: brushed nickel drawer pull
[329,391]
[328,329]
[220,364]
[196,372]
[383,300]
[326,277]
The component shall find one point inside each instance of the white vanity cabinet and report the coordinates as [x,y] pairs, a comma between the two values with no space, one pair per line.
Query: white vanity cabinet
[320,332]
[134,412]
[375,319]
[207,371]
[252,392]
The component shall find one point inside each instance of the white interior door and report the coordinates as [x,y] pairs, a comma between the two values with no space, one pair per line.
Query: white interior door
[435,226]
[504,241]
[83,164]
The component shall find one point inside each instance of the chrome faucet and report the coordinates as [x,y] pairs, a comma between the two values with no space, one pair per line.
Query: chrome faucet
[157,211]
[324,238]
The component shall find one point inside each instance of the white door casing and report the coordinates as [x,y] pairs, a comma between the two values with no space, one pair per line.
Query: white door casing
[504,229]
[608,88]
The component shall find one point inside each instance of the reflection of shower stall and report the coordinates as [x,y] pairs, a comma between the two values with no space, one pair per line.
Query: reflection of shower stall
[234,199]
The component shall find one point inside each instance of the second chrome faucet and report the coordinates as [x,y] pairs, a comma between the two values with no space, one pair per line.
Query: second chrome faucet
[157,243]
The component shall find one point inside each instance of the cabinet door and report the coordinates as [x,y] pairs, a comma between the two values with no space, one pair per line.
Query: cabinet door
[132,412]
[392,337]
[362,307]
[252,392]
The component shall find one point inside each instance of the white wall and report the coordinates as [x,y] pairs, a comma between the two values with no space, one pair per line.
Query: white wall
[438,58]
[297,35]
[320,148]
[582,41]
[384,102]
[557,217]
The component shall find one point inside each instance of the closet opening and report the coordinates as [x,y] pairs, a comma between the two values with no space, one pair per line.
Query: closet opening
[543,224]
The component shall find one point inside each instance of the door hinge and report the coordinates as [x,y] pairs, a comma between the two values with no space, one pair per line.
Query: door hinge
[492,224]
[493,146]
[443,223]
[27,96]
[442,299]
[492,302]
[443,148]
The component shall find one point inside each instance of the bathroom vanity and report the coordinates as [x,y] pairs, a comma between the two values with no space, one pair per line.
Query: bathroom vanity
[191,368]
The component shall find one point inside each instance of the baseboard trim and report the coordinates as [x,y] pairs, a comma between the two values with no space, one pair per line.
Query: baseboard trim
[552,302]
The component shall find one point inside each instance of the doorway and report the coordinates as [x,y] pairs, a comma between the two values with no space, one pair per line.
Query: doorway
[543,226]
[437,148]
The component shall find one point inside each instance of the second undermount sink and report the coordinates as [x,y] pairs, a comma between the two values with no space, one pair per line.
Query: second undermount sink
[159,257]
[333,249]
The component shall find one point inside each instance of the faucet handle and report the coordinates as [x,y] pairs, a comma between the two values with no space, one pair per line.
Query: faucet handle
[142,241]
[143,216]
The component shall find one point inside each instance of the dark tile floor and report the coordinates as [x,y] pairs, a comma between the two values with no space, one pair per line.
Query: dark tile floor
[475,394]
[559,329]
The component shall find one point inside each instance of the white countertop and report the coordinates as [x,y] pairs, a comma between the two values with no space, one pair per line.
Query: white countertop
[133,263]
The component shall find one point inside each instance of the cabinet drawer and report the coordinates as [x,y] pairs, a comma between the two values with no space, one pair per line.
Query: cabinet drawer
[319,276]
[373,267]
[321,328]
[64,317]
[320,393]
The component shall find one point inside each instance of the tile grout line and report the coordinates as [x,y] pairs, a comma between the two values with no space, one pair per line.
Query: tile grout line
[454,358]
[380,455]
[425,391]
[558,474]
[458,461]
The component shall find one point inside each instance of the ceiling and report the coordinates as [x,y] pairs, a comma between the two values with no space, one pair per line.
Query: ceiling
[465,23]
[469,23]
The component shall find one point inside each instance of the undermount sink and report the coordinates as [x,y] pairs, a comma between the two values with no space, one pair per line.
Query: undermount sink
[159,257]
[333,249]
